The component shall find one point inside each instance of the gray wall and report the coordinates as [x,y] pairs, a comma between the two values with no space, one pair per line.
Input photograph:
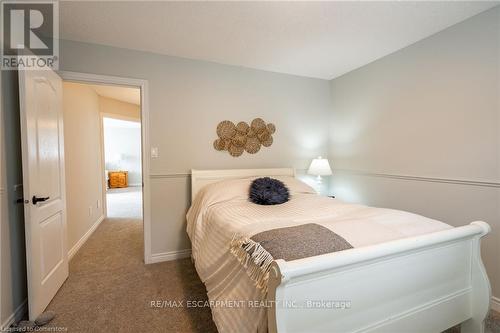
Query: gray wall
[13,255]
[431,110]
[187,100]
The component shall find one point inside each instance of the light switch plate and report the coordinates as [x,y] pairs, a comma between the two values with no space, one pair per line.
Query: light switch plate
[154,152]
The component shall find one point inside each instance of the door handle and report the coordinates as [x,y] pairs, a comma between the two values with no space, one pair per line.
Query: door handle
[35,200]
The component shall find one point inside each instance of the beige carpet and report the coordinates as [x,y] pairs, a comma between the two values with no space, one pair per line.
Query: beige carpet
[110,289]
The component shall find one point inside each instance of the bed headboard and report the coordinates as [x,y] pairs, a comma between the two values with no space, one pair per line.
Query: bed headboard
[200,178]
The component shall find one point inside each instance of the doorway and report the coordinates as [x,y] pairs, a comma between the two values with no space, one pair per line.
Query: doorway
[103,159]
[122,166]
[136,190]
[45,134]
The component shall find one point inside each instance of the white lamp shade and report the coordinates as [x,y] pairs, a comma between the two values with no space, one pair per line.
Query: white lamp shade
[320,167]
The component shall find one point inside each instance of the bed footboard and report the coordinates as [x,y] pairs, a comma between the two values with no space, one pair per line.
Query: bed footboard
[420,284]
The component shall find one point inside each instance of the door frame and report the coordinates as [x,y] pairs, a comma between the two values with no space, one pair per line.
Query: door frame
[146,190]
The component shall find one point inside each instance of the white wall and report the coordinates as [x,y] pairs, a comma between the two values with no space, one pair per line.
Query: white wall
[187,100]
[130,139]
[84,168]
[122,148]
[431,110]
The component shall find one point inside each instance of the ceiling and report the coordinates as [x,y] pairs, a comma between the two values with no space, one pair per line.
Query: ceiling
[313,39]
[119,123]
[124,94]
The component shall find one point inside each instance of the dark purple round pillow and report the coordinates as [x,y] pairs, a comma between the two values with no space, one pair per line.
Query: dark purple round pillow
[268,191]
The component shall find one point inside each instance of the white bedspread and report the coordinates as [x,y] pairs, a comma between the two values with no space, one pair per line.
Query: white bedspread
[222,210]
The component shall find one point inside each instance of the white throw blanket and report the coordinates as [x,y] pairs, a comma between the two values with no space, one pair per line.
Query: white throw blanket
[221,211]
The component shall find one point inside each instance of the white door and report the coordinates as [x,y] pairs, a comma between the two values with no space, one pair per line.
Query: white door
[40,94]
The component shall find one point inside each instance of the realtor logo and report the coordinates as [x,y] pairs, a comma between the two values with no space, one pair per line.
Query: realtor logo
[30,34]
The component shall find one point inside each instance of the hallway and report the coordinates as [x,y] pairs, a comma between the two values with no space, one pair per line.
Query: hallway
[124,202]
[110,289]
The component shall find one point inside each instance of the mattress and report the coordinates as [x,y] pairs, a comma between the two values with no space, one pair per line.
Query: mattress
[222,210]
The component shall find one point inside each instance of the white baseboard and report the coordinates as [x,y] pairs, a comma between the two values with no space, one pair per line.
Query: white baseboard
[81,241]
[18,314]
[168,256]
[495,304]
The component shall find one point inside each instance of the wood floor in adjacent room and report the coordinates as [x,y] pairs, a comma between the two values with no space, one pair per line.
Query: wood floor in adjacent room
[109,288]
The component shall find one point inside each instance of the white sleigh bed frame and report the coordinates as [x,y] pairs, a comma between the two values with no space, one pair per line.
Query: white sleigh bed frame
[421,284]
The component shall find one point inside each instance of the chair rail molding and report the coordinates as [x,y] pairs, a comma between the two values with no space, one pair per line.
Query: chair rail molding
[170,175]
[469,182]
[188,174]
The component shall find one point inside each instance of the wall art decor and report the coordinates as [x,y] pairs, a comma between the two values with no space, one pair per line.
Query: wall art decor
[242,137]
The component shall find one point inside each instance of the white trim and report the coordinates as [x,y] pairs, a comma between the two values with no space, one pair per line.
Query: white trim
[102,79]
[146,200]
[81,241]
[2,122]
[17,315]
[104,176]
[495,303]
[169,256]
[143,84]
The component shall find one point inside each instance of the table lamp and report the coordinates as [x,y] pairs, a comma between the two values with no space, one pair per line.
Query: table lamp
[319,167]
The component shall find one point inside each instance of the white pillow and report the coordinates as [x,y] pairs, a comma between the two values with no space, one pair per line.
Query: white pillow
[295,186]
[234,189]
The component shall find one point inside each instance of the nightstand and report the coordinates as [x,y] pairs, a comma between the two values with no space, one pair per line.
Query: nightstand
[117,179]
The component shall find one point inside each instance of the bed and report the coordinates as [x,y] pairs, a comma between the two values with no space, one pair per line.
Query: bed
[405,273]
